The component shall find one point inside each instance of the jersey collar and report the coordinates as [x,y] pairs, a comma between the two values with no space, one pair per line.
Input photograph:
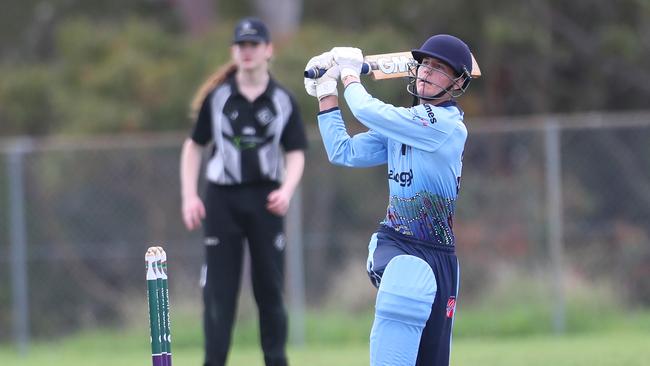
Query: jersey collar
[266,94]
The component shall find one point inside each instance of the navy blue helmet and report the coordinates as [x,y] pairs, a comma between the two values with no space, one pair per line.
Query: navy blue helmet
[450,50]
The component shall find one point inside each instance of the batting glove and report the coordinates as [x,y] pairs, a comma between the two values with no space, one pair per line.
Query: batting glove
[349,59]
[326,84]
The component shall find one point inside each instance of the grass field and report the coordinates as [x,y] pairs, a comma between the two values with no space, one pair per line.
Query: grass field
[114,349]
[333,339]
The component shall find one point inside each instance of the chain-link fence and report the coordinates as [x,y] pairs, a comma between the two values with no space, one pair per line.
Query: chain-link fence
[562,198]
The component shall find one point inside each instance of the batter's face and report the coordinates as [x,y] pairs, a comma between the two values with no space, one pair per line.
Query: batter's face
[434,76]
[251,55]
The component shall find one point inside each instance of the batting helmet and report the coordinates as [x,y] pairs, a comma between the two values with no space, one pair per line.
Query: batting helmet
[449,49]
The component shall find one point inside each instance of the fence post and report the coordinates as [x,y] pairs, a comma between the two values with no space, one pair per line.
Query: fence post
[18,246]
[554,221]
[296,273]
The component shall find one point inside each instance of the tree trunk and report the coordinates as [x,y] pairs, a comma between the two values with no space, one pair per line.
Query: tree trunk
[197,15]
[281,16]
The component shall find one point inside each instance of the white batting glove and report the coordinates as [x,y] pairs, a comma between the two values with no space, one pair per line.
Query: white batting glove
[349,59]
[326,84]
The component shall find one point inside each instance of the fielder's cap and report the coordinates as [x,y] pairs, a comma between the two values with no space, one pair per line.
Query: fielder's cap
[251,30]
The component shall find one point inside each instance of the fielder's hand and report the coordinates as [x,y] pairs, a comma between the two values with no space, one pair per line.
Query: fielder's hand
[349,59]
[326,84]
[193,212]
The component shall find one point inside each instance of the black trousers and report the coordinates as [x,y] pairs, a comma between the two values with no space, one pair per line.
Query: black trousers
[232,214]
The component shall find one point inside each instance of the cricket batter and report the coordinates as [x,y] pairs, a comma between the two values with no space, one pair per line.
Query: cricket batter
[411,257]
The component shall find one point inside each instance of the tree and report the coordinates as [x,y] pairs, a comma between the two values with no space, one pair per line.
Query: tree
[198,15]
[282,16]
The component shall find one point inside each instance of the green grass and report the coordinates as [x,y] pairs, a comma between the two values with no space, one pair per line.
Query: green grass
[630,349]
[502,339]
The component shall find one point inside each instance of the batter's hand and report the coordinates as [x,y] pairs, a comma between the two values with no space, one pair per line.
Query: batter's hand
[193,212]
[349,59]
[278,202]
[326,84]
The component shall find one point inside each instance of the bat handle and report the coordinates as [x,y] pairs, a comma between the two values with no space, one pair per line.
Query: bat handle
[315,72]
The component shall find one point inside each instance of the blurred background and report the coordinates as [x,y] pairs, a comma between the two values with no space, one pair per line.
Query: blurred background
[553,221]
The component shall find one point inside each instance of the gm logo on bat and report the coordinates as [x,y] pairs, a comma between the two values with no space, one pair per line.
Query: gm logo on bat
[393,65]
[389,65]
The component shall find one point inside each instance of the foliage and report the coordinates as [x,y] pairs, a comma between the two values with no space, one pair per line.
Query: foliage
[135,76]
[536,56]
[25,104]
[114,67]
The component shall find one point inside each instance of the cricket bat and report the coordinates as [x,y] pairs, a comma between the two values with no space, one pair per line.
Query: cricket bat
[387,66]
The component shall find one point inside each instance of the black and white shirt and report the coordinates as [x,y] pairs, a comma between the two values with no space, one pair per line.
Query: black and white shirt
[249,137]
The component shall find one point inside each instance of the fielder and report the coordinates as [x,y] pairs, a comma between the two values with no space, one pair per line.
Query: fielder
[257,139]
[411,257]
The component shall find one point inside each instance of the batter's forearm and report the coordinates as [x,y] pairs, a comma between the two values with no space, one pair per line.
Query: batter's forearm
[328,102]
[349,80]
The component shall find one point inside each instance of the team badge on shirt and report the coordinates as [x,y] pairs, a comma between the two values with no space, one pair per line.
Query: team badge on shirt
[451,306]
[264,116]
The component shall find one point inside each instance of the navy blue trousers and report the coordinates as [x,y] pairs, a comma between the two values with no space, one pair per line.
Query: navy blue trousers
[435,344]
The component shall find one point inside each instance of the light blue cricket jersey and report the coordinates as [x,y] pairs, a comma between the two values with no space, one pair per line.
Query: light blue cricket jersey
[423,147]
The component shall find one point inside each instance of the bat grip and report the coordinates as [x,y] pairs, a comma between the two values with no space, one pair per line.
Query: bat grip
[315,72]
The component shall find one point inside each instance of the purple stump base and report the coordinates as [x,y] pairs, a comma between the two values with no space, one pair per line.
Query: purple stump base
[157,360]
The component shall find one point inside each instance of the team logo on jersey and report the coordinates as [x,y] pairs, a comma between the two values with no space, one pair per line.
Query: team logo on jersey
[451,306]
[404,179]
[264,116]
[279,242]
[233,116]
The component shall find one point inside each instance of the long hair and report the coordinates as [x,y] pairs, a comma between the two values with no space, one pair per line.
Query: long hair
[218,77]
